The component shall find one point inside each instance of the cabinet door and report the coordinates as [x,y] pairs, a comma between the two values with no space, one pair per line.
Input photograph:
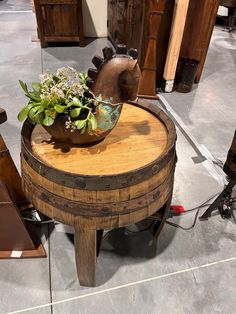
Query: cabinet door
[60,20]
[121,31]
[134,26]
[112,20]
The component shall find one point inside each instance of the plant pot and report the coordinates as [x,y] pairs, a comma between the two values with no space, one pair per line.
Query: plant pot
[107,116]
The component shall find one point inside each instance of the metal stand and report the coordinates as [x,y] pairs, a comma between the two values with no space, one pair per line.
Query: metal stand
[221,203]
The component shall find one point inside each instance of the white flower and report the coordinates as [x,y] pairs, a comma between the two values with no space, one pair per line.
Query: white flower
[57,91]
[76,88]
[45,77]
[66,72]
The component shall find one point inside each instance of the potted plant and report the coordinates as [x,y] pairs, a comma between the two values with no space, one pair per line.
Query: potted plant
[63,104]
[74,113]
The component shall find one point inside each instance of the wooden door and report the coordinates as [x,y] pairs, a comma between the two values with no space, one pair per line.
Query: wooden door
[112,20]
[134,23]
[60,20]
[121,27]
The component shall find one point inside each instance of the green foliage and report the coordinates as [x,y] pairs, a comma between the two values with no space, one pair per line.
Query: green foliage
[61,93]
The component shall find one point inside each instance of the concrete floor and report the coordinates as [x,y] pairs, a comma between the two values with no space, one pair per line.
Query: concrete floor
[180,272]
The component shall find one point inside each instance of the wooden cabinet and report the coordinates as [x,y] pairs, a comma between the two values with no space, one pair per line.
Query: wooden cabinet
[59,21]
[125,18]
[129,22]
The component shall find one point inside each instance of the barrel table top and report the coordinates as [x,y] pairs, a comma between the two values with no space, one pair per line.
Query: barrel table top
[137,140]
[121,180]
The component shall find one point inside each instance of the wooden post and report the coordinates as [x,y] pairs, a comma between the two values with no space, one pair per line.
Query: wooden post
[86,255]
[176,35]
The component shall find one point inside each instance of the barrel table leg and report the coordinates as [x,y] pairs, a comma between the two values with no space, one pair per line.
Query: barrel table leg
[85,255]
[99,240]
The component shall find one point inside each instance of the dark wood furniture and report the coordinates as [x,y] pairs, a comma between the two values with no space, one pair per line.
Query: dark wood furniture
[147,86]
[129,24]
[59,21]
[125,19]
[231,5]
[15,235]
[119,181]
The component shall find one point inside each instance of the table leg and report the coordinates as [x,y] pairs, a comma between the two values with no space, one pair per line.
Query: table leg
[99,240]
[162,215]
[85,255]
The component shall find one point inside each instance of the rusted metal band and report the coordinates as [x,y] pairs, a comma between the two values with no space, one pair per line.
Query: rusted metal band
[94,209]
[102,182]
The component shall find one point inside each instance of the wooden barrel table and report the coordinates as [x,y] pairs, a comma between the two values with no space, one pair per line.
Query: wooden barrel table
[119,181]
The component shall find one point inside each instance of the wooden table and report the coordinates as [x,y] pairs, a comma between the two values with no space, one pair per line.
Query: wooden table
[119,181]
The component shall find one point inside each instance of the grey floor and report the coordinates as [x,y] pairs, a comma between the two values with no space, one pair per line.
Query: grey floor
[180,272]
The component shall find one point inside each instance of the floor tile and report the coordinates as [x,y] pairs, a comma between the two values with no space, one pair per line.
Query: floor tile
[11,5]
[207,291]
[78,57]
[25,282]
[127,257]
[17,30]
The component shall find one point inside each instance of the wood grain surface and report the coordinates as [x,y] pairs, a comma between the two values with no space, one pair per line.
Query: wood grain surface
[138,139]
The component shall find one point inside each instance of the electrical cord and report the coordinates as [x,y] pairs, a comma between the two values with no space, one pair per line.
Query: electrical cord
[31,217]
[39,222]
[185,228]
[197,213]
[198,208]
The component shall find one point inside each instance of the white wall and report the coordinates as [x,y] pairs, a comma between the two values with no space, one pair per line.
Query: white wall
[95,18]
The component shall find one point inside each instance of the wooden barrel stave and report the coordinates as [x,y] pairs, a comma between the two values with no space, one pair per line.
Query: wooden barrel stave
[105,196]
[98,222]
[95,209]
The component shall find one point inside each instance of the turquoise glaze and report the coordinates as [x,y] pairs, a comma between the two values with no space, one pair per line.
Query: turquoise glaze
[107,117]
